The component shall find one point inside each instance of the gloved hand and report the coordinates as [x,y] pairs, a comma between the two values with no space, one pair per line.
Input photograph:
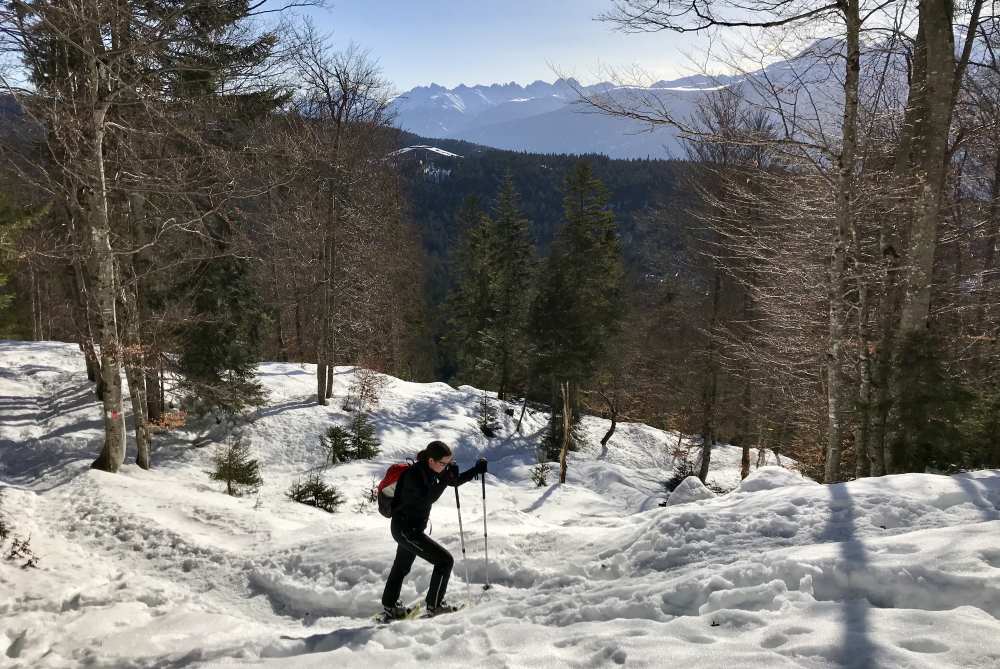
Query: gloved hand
[450,473]
[481,466]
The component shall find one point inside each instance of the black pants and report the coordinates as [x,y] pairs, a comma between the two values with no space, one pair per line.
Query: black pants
[409,544]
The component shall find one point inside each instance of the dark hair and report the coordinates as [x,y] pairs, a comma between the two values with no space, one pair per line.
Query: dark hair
[436,450]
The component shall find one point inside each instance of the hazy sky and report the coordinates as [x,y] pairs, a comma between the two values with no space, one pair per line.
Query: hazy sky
[451,42]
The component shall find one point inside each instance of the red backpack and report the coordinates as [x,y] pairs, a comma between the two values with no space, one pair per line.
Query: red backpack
[387,488]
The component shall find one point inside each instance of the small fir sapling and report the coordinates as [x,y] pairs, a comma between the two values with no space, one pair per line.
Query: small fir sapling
[315,492]
[235,467]
[540,474]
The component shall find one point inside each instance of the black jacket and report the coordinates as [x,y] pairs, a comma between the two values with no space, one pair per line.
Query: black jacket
[417,489]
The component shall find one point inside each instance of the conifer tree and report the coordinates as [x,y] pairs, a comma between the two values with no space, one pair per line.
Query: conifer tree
[579,303]
[9,223]
[221,347]
[490,306]
[235,467]
[469,304]
[511,278]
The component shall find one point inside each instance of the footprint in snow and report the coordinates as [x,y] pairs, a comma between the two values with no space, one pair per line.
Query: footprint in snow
[992,558]
[924,646]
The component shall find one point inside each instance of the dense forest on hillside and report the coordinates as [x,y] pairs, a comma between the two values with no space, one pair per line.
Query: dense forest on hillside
[639,192]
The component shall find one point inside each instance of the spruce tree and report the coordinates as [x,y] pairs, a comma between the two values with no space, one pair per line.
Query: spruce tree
[490,304]
[315,492]
[364,443]
[469,304]
[8,228]
[235,467]
[579,303]
[511,278]
[931,407]
[220,348]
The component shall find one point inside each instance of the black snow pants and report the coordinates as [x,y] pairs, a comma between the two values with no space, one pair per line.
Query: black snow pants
[410,543]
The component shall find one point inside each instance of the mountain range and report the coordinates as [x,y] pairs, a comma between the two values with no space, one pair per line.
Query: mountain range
[544,117]
[802,95]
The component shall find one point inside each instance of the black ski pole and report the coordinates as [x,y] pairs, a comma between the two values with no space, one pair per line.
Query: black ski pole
[461,534]
[486,546]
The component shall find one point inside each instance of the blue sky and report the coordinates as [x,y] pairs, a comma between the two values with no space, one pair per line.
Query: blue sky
[450,42]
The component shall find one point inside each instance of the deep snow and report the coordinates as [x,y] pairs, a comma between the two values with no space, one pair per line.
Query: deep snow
[161,569]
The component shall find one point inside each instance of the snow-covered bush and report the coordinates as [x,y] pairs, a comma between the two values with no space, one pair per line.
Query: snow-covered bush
[315,492]
[236,468]
[769,478]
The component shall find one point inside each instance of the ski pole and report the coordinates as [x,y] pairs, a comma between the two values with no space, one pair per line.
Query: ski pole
[486,546]
[461,534]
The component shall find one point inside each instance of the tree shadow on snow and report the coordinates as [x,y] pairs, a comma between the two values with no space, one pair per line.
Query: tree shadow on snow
[354,638]
[857,649]
[537,504]
[290,405]
[987,504]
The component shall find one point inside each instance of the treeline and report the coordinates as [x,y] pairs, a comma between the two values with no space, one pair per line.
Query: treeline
[437,188]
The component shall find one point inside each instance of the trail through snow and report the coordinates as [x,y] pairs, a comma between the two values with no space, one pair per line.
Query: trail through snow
[161,569]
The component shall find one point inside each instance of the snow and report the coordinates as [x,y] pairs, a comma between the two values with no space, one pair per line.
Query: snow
[160,568]
[769,478]
[424,147]
[690,489]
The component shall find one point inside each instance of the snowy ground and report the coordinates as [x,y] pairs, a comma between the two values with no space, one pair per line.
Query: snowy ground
[161,569]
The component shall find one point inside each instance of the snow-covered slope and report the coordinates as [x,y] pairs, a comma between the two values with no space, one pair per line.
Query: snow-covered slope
[161,569]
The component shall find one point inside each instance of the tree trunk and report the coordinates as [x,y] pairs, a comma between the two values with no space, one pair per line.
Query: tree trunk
[96,206]
[154,398]
[85,332]
[524,407]
[711,386]
[326,288]
[567,420]
[931,157]
[927,124]
[745,431]
[613,412]
[135,376]
[864,458]
[841,240]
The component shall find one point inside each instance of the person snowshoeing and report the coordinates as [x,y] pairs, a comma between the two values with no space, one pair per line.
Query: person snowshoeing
[417,489]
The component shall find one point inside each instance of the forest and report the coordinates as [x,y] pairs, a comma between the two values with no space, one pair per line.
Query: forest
[186,192]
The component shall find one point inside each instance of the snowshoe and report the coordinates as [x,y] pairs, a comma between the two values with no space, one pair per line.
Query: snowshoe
[441,608]
[398,612]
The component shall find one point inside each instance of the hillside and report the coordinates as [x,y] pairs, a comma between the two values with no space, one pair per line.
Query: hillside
[160,568]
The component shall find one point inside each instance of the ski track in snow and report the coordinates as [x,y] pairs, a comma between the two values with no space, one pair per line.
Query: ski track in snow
[161,569]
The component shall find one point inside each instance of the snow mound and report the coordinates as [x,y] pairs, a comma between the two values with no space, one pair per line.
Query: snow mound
[690,489]
[771,478]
